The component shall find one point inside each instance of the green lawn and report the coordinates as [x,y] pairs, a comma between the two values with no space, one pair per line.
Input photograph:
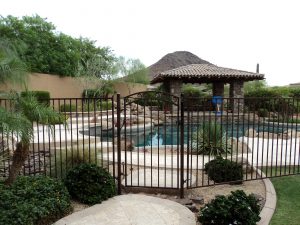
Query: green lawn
[288,200]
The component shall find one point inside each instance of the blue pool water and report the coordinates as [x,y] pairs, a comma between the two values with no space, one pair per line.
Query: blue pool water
[170,134]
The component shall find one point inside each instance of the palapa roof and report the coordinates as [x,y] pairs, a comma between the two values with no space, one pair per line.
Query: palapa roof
[205,73]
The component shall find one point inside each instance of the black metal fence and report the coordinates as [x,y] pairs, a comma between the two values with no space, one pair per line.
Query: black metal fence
[155,140]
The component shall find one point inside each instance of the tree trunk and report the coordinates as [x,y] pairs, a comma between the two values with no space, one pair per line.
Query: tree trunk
[19,158]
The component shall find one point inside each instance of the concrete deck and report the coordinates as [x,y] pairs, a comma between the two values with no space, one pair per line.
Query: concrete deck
[132,209]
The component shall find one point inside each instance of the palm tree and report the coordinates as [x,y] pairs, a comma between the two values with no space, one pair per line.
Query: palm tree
[23,112]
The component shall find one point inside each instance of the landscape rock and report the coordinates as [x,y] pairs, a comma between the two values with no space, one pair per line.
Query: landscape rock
[251,133]
[193,208]
[198,200]
[247,168]
[106,125]
[127,145]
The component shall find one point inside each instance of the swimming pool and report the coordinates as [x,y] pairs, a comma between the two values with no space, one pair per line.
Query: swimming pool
[170,134]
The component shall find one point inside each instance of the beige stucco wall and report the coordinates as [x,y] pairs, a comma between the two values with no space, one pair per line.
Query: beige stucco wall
[67,87]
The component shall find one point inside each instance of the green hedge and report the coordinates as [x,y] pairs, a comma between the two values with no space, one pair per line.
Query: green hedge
[87,106]
[195,99]
[92,93]
[237,208]
[33,200]
[223,170]
[90,184]
[69,108]
[272,100]
[42,96]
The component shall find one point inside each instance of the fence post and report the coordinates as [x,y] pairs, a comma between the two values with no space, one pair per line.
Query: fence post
[181,147]
[119,142]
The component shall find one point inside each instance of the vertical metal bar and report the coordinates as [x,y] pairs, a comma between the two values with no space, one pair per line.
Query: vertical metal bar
[71,127]
[144,136]
[113,135]
[181,147]
[178,141]
[296,138]
[119,141]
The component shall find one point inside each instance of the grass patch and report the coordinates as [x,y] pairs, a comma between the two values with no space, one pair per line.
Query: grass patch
[288,202]
[280,170]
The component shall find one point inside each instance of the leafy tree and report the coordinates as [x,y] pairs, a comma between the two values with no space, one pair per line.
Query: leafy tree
[133,70]
[254,85]
[11,67]
[24,110]
[45,50]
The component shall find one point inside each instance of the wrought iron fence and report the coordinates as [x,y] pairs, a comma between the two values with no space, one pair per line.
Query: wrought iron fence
[154,140]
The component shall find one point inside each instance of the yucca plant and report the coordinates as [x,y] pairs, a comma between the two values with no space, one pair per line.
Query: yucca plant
[210,139]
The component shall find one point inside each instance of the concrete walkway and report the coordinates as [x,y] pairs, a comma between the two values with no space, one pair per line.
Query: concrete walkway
[132,209]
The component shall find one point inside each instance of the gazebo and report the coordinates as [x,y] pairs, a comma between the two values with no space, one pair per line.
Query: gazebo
[208,73]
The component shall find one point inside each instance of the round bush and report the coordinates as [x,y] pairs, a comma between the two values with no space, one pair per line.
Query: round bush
[90,184]
[33,200]
[224,170]
[237,208]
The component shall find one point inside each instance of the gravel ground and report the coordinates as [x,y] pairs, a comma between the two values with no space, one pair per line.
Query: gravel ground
[206,193]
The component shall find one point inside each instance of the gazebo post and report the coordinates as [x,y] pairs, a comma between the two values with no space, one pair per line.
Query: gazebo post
[174,88]
[218,89]
[236,94]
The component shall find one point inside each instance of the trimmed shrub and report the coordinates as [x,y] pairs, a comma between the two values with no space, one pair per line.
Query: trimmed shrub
[90,184]
[262,112]
[237,208]
[92,93]
[42,97]
[195,98]
[223,170]
[59,119]
[33,200]
[87,106]
[97,106]
[68,108]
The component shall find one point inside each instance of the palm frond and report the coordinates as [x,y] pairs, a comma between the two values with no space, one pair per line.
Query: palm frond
[12,69]
[15,123]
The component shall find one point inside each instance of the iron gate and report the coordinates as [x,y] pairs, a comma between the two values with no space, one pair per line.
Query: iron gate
[149,140]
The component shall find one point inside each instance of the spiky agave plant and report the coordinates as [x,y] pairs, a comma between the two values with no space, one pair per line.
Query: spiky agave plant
[210,139]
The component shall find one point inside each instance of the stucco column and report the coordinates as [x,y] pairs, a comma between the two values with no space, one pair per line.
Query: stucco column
[174,88]
[218,89]
[236,94]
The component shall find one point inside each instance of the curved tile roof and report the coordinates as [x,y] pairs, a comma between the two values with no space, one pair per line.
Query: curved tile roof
[206,73]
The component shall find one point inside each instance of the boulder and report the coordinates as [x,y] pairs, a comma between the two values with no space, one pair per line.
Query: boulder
[247,168]
[157,122]
[267,135]
[251,133]
[238,147]
[291,133]
[127,145]
[142,120]
[106,125]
